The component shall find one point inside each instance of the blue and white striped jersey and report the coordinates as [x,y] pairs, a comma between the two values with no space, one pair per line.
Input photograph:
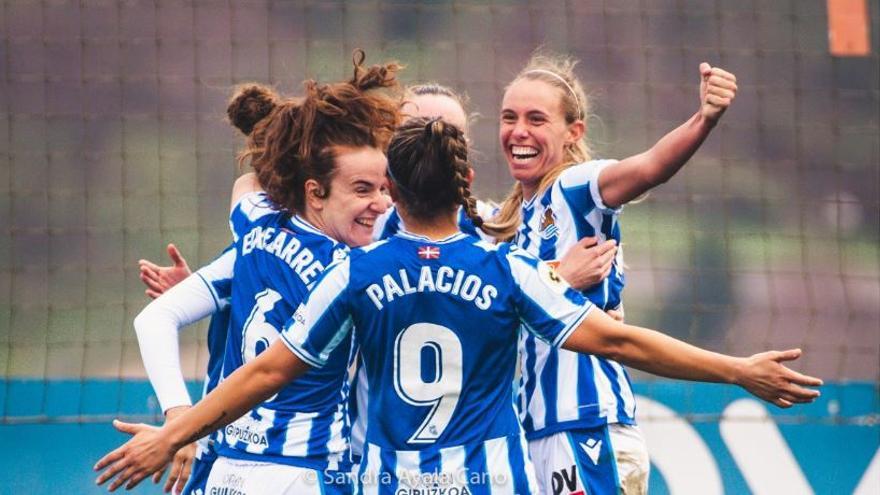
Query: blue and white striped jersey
[217,276]
[389,223]
[278,258]
[559,389]
[437,324]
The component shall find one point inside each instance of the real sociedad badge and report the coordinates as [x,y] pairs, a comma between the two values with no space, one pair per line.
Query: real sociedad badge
[549,229]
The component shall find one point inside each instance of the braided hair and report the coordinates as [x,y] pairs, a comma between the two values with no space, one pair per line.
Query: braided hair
[428,162]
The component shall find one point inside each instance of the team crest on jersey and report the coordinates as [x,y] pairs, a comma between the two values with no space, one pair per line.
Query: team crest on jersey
[548,225]
[429,253]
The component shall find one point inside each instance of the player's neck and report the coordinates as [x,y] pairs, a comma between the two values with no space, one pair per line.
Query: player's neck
[439,227]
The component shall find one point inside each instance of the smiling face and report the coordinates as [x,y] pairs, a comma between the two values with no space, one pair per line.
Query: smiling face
[348,213]
[534,132]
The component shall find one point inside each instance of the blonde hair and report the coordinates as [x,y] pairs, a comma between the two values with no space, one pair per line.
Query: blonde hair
[557,71]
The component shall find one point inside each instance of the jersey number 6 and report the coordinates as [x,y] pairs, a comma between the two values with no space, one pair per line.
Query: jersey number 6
[258,334]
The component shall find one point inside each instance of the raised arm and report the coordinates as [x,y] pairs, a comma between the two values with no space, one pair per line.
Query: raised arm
[245,184]
[631,177]
[151,448]
[763,374]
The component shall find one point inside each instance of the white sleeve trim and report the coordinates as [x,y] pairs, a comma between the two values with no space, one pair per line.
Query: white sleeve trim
[157,327]
[563,337]
[594,186]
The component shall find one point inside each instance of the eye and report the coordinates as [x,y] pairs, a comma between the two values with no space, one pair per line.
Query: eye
[537,119]
[508,118]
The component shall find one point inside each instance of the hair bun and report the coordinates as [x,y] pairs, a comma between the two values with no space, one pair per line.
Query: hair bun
[251,104]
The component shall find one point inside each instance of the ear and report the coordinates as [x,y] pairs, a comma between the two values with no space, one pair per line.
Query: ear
[576,131]
[314,191]
[471,175]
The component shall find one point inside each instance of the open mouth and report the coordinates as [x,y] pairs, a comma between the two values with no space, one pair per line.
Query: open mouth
[522,154]
[366,222]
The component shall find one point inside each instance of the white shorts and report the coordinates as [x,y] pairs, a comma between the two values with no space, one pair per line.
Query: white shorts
[238,477]
[607,459]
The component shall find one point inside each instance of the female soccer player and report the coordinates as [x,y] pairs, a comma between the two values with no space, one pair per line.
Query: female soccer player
[205,294]
[321,162]
[568,399]
[437,314]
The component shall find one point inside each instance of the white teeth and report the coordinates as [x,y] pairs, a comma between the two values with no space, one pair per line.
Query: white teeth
[521,153]
[523,150]
[365,223]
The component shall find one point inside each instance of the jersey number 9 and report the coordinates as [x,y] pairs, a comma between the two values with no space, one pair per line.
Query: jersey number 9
[441,345]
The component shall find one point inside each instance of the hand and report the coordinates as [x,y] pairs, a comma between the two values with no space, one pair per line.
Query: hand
[158,279]
[765,376]
[717,91]
[145,453]
[587,263]
[181,464]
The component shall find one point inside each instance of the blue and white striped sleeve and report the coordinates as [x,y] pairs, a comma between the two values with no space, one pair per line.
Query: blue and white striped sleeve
[580,184]
[217,275]
[548,307]
[248,209]
[324,319]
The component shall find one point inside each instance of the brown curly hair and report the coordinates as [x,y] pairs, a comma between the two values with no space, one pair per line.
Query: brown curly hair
[299,138]
[251,103]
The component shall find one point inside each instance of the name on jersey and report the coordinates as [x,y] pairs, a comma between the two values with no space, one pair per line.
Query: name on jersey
[445,280]
[286,246]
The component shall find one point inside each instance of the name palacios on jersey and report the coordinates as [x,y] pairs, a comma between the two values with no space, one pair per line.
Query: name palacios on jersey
[445,280]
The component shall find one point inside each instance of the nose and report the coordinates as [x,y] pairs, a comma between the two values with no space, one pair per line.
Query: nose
[381,202]
[520,129]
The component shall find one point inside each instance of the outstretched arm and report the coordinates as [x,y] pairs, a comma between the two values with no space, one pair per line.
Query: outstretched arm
[631,177]
[763,374]
[151,448]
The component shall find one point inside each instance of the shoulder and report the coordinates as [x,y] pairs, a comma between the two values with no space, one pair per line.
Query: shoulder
[253,205]
[582,174]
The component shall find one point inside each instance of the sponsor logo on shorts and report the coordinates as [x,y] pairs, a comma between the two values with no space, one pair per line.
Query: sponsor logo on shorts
[565,481]
[232,484]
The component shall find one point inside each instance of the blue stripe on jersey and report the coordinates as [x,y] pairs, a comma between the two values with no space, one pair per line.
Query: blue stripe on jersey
[466,224]
[611,373]
[576,204]
[523,239]
[578,199]
[517,456]
[476,466]
[549,375]
[588,397]
[531,379]
[547,249]
[428,462]
[392,225]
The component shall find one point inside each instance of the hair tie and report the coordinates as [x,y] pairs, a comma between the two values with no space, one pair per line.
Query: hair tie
[562,79]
